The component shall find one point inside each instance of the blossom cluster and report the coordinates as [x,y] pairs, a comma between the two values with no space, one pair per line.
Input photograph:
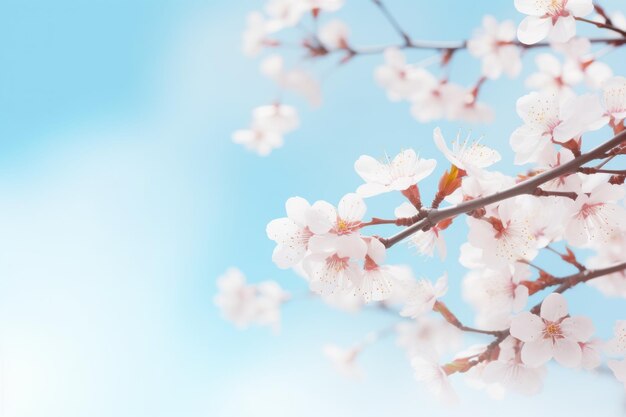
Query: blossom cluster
[568,198]
[246,304]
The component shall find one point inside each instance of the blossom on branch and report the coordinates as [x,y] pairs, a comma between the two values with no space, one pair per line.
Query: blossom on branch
[493,43]
[553,334]
[550,18]
[404,170]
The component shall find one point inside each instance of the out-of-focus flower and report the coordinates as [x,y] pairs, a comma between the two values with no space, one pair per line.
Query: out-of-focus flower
[493,44]
[423,295]
[334,34]
[246,304]
[344,360]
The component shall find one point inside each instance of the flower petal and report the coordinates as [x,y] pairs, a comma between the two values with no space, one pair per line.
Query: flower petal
[537,353]
[578,328]
[554,307]
[526,327]
[567,352]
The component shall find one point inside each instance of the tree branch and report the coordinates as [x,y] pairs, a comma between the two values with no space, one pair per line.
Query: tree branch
[525,187]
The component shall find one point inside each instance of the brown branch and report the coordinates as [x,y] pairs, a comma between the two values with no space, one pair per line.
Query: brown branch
[602,171]
[602,25]
[525,187]
[392,20]
[490,353]
[543,193]
[442,309]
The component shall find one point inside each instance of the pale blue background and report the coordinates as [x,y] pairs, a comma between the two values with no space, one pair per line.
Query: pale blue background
[122,198]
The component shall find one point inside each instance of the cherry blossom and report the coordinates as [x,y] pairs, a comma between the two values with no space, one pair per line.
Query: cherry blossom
[553,76]
[424,241]
[591,354]
[510,371]
[258,140]
[619,370]
[464,106]
[552,334]
[254,38]
[406,169]
[278,118]
[285,13]
[468,156]
[548,118]
[617,345]
[376,281]
[579,59]
[610,253]
[329,273]
[401,80]
[553,18]
[566,208]
[334,34]
[423,295]
[323,5]
[343,237]
[441,99]
[495,293]
[427,335]
[434,376]
[595,215]
[614,99]
[505,237]
[344,360]
[292,233]
[493,44]
[245,304]
[296,80]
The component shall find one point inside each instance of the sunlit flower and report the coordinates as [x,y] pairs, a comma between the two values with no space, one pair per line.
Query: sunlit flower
[553,18]
[406,169]
[553,334]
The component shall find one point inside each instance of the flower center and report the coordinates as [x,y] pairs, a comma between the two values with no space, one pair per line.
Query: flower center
[589,209]
[552,330]
[337,264]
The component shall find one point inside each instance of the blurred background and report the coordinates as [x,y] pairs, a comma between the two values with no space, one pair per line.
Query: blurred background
[122,199]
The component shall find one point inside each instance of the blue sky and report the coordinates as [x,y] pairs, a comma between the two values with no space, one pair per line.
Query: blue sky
[123,198]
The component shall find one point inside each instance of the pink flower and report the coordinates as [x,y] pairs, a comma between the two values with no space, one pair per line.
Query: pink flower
[278,118]
[343,237]
[328,272]
[553,334]
[549,117]
[376,281]
[344,360]
[406,169]
[423,295]
[292,233]
[424,241]
[511,372]
[619,370]
[493,43]
[401,80]
[246,304]
[334,34]
[256,139]
[596,215]
[428,371]
[554,18]
[614,98]
[505,237]
[468,156]
[617,345]
[552,76]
